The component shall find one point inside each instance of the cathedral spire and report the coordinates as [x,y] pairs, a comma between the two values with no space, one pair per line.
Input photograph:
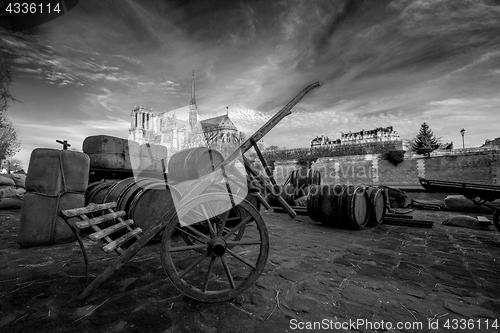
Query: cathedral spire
[193,112]
[193,99]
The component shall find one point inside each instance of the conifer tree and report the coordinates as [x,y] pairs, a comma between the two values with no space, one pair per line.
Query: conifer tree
[425,142]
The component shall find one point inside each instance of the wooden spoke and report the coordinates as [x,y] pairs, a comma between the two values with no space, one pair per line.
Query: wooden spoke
[193,264]
[240,258]
[193,275]
[228,273]
[204,241]
[249,242]
[241,224]
[209,273]
[205,237]
[188,247]
[209,222]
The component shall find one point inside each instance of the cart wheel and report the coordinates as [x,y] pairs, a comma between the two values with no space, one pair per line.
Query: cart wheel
[496,219]
[229,262]
[232,218]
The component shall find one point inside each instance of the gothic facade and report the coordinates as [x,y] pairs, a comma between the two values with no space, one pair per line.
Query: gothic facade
[176,134]
[380,134]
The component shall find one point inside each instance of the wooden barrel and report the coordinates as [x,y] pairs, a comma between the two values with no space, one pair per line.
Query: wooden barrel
[354,206]
[129,192]
[313,203]
[329,206]
[377,204]
[304,177]
[151,202]
[98,193]
[192,163]
[90,190]
[53,171]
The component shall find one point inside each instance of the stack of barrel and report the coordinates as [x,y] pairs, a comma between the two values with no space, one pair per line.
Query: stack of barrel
[143,200]
[112,154]
[57,180]
[297,185]
[346,206]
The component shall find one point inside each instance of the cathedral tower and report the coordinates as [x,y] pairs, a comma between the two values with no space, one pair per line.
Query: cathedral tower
[193,112]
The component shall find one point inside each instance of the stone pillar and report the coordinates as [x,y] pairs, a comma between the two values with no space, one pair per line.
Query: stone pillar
[132,120]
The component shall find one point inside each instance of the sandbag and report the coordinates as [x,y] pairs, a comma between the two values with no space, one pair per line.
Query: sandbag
[7,191]
[131,148]
[19,179]
[459,203]
[40,223]
[7,180]
[301,202]
[103,144]
[53,171]
[397,198]
[432,204]
[470,222]
[107,161]
[11,203]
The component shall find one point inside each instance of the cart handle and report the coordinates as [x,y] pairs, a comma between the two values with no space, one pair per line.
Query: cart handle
[285,111]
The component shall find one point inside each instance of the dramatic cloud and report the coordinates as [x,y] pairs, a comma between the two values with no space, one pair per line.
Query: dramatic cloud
[380,63]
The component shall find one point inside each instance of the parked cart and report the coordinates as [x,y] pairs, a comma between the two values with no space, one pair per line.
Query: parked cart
[215,243]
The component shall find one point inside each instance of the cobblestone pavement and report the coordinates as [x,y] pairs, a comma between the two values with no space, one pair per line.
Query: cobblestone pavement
[445,279]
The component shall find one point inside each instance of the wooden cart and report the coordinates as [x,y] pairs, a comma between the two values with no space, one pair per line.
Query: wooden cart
[215,243]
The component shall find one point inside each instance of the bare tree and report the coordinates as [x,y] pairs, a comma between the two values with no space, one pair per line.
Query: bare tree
[9,142]
[15,164]
[5,78]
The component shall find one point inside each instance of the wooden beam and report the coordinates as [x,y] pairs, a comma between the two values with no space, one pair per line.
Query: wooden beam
[96,220]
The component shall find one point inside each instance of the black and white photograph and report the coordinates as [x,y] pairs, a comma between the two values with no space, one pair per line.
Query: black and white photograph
[244,166]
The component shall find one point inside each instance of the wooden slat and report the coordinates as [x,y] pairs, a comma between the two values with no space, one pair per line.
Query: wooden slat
[109,230]
[117,242]
[86,210]
[99,219]
[119,219]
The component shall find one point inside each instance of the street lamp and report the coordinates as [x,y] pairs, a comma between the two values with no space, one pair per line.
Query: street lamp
[462,131]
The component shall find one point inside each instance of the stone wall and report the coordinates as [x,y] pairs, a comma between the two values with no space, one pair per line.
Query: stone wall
[481,167]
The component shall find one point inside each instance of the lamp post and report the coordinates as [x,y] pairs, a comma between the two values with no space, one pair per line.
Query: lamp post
[462,131]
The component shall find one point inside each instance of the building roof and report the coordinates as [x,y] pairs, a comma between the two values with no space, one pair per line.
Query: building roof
[210,123]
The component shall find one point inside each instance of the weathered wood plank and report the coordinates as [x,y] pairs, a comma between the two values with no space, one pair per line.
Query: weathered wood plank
[86,210]
[262,200]
[96,220]
[109,230]
[117,242]
[269,187]
[128,254]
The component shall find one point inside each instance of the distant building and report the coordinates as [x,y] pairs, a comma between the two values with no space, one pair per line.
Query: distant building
[168,130]
[495,143]
[380,134]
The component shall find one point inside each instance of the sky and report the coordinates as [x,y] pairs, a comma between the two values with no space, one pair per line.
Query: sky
[380,63]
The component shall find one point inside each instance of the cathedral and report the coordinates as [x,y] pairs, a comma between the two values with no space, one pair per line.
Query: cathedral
[176,134]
